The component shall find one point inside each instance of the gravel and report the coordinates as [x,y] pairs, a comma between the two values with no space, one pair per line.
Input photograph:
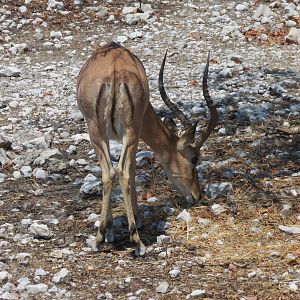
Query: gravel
[50,180]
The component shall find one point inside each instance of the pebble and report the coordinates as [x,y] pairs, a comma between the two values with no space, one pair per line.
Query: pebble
[40,231]
[121,39]
[36,288]
[93,217]
[4,277]
[184,216]
[293,286]
[196,294]
[40,173]
[163,239]
[293,35]
[290,229]
[174,272]
[91,185]
[263,11]
[40,272]
[163,287]
[241,7]
[217,209]
[252,85]
[216,190]
[10,71]
[203,221]
[23,258]
[62,276]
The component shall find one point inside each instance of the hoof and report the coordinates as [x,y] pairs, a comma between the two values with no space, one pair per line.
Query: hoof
[140,251]
[99,239]
[109,237]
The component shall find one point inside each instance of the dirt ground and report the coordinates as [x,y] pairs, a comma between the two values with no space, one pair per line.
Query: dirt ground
[240,254]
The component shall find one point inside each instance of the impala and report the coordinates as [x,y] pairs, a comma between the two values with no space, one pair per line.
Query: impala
[113,95]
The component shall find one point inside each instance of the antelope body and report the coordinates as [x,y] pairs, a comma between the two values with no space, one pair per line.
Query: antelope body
[113,95]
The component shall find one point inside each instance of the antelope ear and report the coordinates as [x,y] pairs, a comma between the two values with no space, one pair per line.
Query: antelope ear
[187,138]
[170,123]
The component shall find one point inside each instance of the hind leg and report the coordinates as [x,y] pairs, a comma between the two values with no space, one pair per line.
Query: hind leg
[101,146]
[126,171]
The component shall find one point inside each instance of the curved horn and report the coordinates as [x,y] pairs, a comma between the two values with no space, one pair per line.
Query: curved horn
[214,118]
[174,109]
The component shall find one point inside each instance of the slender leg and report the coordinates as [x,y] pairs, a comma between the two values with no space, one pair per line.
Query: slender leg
[105,231]
[126,171]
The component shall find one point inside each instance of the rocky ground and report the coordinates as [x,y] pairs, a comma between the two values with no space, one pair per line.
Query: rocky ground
[241,241]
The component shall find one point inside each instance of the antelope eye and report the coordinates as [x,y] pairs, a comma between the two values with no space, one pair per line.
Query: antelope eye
[194,160]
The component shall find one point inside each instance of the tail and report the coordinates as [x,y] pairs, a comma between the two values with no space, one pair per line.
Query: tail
[126,102]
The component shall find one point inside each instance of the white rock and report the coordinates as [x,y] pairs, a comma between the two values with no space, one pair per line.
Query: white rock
[52,4]
[26,222]
[23,282]
[174,272]
[225,73]
[23,257]
[293,286]
[184,216]
[9,295]
[37,288]
[41,142]
[286,210]
[232,31]
[26,171]
[131,19]
[40,231]
[57,253]
[162,287]
[22,9]
[291,10]
[62,276]
[102,13]
[77,138]
[263,37]
[163,239]
[55,34]
[106,296]
[196,294]
[241,6]
[293,35]
[4,277]
[122,38]
[72,149]
[215,190]
[129,10]
[110,19]
[46,155]
[39,173]
[217,209]
[263,11]
[10,72]
[152,200]
[40,272]
[135,34]
[290,229]
[91,185]
[169,211]
[203,222]
[290,23]
[48,45]
[76,115]
[93,217]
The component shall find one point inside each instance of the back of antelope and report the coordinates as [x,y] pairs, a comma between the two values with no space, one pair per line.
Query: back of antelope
[113,95]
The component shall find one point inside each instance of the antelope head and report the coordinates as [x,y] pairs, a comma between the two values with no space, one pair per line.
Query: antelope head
[180,165]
